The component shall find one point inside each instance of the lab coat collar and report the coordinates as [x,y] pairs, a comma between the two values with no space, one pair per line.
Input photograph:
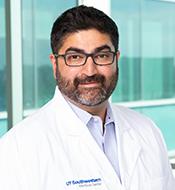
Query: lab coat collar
[129,148]
[119,119]
[72,124]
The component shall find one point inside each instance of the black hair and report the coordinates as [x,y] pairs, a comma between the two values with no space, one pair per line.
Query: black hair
[82,18]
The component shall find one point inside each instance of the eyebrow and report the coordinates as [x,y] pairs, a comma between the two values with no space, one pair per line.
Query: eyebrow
[94,51]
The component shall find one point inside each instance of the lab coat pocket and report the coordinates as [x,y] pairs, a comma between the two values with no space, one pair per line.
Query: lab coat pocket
[159,184]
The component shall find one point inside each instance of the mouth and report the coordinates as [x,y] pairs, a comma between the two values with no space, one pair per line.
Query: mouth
[87,82]
[90,84]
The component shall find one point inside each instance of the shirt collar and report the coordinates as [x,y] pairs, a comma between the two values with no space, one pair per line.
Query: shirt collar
[85,117]
[109,115]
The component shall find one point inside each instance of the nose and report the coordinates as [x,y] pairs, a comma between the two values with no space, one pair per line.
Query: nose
[90,68]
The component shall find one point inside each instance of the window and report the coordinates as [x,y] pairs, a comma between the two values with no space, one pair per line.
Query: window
[38,81]
[147,64]
[37,20]
[3,106]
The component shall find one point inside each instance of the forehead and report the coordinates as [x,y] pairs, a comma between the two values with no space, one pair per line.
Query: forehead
[87,40]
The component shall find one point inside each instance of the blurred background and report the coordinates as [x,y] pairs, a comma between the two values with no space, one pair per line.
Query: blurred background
[147,64]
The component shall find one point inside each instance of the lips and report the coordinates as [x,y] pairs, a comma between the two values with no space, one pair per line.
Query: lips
[95,80]
[90,84]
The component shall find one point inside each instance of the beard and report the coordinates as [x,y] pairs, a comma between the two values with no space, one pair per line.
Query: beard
[90,96]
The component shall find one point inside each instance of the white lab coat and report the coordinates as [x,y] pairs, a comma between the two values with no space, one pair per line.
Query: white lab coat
[54,150]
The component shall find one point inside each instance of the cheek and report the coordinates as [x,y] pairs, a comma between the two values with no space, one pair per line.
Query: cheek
[69,73]
[109,71]
[114,68]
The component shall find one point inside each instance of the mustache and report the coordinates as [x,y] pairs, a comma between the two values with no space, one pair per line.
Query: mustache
[87,79]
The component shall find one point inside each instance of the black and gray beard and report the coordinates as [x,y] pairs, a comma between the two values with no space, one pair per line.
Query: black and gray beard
[87,96]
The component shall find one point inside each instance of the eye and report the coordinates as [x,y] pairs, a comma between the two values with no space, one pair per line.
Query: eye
[74,57]
[102,55]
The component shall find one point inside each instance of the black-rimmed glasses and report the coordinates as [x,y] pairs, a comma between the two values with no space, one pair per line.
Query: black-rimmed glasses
[76,59]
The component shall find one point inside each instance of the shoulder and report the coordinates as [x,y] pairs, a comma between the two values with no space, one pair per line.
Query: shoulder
[32,127]
[32,139]
[143,127]
[144,131]
[130,115]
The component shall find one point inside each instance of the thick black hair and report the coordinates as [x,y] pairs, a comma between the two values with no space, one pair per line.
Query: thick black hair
[82,18]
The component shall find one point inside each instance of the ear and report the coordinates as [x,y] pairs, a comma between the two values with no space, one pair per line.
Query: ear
[54,64]
[118,55]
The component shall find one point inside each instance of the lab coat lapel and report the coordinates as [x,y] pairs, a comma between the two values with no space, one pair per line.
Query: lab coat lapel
[128,148]
[129,154]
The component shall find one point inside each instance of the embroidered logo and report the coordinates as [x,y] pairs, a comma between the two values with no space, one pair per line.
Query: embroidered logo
[84,182]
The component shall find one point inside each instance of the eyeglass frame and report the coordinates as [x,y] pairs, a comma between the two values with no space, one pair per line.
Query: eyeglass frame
[87,55]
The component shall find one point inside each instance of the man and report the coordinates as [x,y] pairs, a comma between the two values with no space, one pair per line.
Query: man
[79,140]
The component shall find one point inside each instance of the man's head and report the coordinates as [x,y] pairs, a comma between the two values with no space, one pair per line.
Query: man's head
[84,42]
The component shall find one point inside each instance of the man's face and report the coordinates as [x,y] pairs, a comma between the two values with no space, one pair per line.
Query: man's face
[89,84]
